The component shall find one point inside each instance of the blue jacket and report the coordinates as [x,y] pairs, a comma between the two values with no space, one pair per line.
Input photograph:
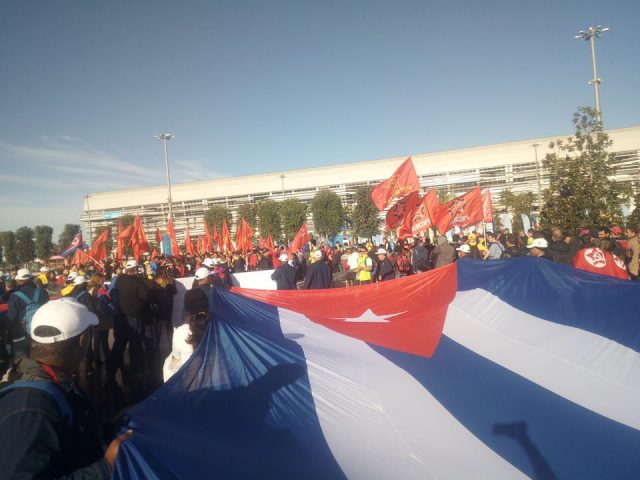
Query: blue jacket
[36,440]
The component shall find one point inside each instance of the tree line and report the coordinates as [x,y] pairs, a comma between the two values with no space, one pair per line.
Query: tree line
[26,244]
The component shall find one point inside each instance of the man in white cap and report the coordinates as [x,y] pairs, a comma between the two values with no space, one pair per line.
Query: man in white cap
[538,248]
[285,274]
[42,280]
[318,273]
[202,280]
[463,250]
[386,270]
[48,427]
[129,328]
[23,303]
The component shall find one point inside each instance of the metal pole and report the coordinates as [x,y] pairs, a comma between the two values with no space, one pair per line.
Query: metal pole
[535,149]
[282,178]
[165,137]
[166,161]
[596,80]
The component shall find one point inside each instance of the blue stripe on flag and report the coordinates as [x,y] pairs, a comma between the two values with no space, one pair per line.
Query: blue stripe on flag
[241,407]
[540,433]
[599,304]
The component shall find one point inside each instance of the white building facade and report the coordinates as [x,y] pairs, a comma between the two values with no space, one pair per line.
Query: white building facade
[515,165]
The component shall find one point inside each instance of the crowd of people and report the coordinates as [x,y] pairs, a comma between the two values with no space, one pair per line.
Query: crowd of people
[111,308]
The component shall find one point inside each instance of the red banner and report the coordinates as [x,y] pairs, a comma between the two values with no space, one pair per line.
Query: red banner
[462,211]
[98,251]
[175,251]
[227,244]
[403,181]
[188,244]
[425,213]
[300,239]
[598,261]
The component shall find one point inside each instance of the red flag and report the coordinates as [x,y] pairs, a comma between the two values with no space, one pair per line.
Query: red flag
[426,211]
[268,243]
[96,251]
[407,314]
[80,257]
[227,244]
[126,233]
[300,239]
[462,211]
[487,207]
[207,242]
[243,236]
[217,238]
[120,250]
[138,242]
[175,251]
[158,237]
[187,243]
[402,212]
[403,181]
[598,261]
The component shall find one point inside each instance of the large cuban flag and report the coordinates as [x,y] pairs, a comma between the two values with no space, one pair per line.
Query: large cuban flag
[506,369]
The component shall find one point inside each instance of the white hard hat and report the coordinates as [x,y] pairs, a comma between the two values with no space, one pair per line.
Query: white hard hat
[283,257]
[67,315]
[208,262]
[202,273]
[131,264]
[79,280]
[464,248]
[381,251]
[538,243]
[23,274]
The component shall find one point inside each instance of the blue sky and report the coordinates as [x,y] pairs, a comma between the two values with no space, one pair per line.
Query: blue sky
[257,86]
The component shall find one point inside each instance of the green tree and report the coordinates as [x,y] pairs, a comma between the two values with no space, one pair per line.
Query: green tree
[8,245]
[517,204]
[269,219]
[126,220]
[445,195]
[215,217]
[365,219]
[580,192]
[328,213]
[44,242]
[25,245]
[248,211]
[66,237]
[293,213]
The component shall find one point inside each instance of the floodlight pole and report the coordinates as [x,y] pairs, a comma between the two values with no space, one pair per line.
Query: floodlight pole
[590,35]
[164,137]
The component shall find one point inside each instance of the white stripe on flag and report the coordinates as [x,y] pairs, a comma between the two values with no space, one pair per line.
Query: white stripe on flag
[379,422]
[585,368]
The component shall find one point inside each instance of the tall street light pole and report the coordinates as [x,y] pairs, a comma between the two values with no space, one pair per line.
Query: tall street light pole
[165,137]
[590,35]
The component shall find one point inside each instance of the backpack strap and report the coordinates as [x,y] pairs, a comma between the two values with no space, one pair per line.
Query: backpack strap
[36,295]
[22,296]
[80,295]
[50,388]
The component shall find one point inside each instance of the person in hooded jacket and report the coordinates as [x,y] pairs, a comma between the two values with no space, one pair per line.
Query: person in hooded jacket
[444,253]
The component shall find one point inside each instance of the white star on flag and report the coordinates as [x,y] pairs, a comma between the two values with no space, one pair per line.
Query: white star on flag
[368,316]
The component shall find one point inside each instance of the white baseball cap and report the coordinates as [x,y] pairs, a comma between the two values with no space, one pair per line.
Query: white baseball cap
[202,273]
[131,264]
[317,254]
[67,315]
[283,257]
[538,243]
[381,251]
[72,276]
[464,248]
[44,269]
[23,274]
[208,262]
[79,280]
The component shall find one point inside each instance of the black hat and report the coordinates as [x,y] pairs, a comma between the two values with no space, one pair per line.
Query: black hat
[196,301]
